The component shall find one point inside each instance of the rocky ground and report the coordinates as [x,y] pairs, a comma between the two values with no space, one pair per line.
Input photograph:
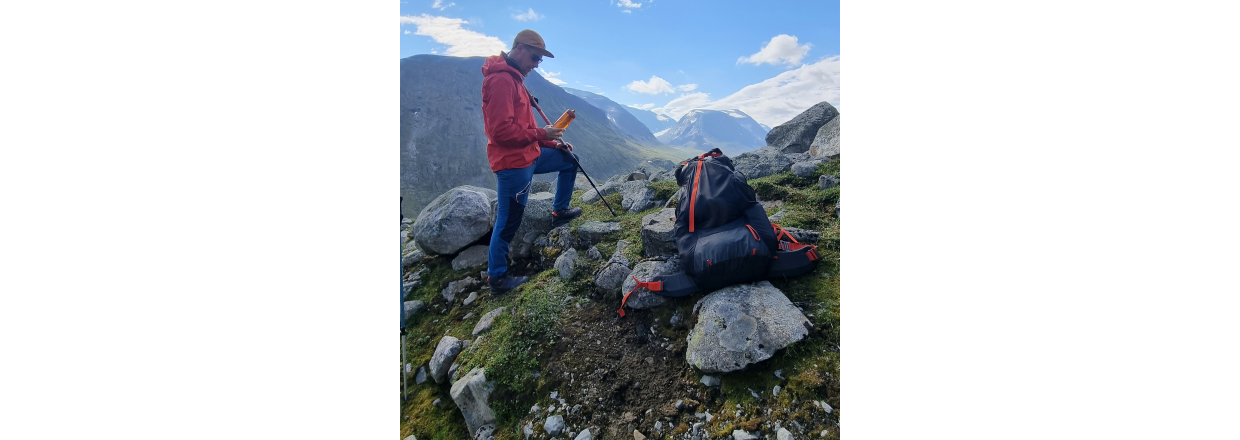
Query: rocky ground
[554,359]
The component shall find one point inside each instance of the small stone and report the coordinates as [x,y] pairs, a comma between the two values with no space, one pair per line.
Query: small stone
[783,434]
[528,430]
[554,425]
[408,368]
[658,426]
[437,402]
[775,391]
[711,381]
[824,433]
[473,296]
[467,316]
[535,408]
[742,435]
[585,435]
[778,372]
[680,405]
[638,436]
[421,376]
[755,395]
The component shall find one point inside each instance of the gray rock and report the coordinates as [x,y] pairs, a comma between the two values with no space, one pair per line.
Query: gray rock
[742,435]
[612,277]
[539,186]
[452,372]
[796,135]
[659,233]
[643,298]
[591,233]
[472,256]
[778,215]
[554,425]
[606,189]
[827,140]
[585,435]
[637,435]
[473,296]
[472,394]
[412,308]
[711,381]
[445,354]
[825,181]
[743,324]
[528,429]
[783,434]
[455,219]
[775,391]
[407,288]
[460,286]
[411,256]
[635,176]
[637,196]
[566,264]
[485,322]
[411,438]
[556,240]
[680,405]
[537,216]
[697,427]
[594,254]
[421,377]
[804,235]
[805,169]
[485,432]
[762,162]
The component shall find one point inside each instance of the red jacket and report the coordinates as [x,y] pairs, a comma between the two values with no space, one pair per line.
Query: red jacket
[513,136]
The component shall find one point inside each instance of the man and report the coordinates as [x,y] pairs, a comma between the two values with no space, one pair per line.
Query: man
[517,149]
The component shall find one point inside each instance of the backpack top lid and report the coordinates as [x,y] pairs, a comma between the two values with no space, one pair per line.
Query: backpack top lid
[713,195]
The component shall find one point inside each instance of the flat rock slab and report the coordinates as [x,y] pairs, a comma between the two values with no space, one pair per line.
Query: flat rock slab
[471,257]
[659,233]
[591,233]
[743,324]
[485,322]
[455,219]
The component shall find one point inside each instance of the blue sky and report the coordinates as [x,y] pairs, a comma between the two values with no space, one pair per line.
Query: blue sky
[771,59]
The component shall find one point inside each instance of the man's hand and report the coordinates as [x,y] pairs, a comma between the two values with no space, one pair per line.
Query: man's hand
[553,133]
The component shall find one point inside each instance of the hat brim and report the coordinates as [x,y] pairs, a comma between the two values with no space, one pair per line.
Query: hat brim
[542,52]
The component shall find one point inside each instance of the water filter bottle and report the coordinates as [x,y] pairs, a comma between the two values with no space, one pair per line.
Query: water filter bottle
[565,119]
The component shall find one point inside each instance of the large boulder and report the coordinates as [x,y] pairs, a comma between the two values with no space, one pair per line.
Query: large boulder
[591,197]
[637,196]
[643,298]
[537,217]
[659,233]
[827,141]
[455,219]
[445,353]
[796,135]
[473,256]
[805,169]
[591,233]
[472,394]
[762,162]
[743,324]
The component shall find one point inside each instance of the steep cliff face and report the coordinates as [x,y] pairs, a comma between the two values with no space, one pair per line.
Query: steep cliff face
[442,142]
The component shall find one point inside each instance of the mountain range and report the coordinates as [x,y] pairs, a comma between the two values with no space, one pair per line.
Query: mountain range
[622,120]
[732,131]
[443,145]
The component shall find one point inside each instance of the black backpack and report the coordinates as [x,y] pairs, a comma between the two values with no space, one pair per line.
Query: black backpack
[723,235]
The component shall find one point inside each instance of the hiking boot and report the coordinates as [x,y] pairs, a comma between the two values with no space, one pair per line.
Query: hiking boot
[503,284]
[561,217]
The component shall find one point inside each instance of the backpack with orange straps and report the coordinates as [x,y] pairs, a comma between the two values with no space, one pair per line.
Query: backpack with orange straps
[723,234]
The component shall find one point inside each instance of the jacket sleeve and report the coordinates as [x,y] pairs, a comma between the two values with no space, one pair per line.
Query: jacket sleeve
[498,96]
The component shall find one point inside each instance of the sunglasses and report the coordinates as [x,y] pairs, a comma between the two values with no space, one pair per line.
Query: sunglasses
[535,57]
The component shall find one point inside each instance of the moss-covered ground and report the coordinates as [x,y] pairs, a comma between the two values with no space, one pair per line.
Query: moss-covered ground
[561,335]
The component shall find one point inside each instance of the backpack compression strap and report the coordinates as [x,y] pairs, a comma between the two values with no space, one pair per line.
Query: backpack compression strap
[653,286]
[794,245]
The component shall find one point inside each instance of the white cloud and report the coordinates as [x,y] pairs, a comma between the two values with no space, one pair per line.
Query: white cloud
[528,16]
[687,87]
[775,100]
[407,32]
[642,106]
[655,86]
[552,77]
[628,4]
[626,11]
[448,31]
[440,6]
[782,48]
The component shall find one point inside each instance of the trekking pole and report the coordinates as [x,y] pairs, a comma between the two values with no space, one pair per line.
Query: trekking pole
[402,323]
[573,157]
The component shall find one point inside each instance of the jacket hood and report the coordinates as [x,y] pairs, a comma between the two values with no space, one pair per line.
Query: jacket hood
[496,64]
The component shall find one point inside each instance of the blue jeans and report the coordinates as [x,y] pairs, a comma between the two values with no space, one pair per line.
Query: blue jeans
[513,186]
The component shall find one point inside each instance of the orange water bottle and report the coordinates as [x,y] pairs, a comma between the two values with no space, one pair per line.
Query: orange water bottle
[565,119]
